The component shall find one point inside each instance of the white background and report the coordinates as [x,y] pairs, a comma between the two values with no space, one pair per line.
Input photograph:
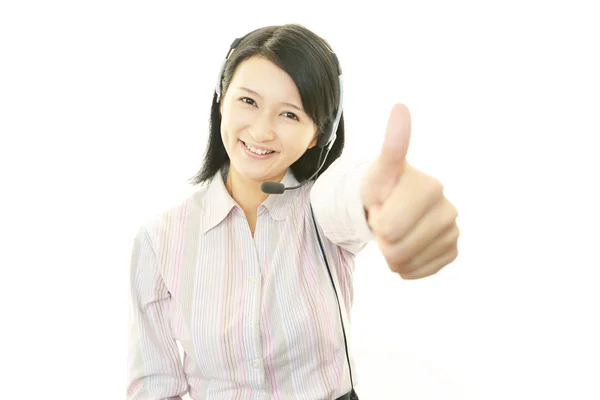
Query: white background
[104,112]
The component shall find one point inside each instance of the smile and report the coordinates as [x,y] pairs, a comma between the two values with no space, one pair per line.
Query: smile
[251,149]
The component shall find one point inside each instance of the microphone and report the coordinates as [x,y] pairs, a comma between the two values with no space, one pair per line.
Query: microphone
[279,188]
[272,187]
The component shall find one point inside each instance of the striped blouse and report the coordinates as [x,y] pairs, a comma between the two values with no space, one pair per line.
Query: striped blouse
[256,316]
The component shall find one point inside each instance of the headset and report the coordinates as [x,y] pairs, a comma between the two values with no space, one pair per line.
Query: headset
[325,143]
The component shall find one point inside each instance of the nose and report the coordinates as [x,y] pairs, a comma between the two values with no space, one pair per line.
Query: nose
[262,128]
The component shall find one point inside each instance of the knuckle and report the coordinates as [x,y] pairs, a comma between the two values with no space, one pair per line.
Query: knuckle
[456,232]
[403,259]
[455,252]
[452,236]
[386,233]
[435,188]
[412,268]
[453,211]
[452,256]
[396,255]
[449,216]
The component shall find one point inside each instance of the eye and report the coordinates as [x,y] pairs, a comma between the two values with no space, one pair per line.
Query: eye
[291,115]
[248,100]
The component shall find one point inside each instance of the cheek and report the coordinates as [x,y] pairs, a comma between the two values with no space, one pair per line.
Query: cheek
[297,142]
[232,122]
[224,133]
[228,129]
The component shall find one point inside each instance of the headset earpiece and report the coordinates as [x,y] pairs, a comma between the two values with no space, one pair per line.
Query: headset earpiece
[233,45]
[326,136]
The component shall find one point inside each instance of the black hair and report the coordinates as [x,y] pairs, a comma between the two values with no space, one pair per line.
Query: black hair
[308,60]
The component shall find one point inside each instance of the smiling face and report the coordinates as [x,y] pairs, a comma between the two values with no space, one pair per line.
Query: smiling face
[263,125]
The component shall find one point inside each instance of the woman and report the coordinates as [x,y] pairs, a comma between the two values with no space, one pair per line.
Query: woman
[257,287]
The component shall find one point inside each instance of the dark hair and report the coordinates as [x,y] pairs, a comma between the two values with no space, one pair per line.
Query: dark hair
[308,60]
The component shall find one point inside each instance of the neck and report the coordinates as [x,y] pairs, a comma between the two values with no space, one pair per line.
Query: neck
[246,192]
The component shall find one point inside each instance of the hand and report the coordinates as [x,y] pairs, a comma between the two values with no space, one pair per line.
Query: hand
[411,219]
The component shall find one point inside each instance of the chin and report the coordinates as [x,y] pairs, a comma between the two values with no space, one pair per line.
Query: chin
[256,169]
[255,173]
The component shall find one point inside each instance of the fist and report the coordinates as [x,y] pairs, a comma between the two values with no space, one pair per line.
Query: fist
[412,221]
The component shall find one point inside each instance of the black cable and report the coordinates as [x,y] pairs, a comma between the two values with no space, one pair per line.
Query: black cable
[353,394]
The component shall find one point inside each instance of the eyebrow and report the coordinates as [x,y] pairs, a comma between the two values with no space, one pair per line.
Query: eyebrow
[257,94]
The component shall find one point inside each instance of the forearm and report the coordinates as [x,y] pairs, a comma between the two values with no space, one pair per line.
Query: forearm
[338,206]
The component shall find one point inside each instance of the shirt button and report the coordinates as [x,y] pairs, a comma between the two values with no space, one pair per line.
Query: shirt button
[256,364]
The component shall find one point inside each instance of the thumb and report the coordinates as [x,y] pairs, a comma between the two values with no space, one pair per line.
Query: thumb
[396,139]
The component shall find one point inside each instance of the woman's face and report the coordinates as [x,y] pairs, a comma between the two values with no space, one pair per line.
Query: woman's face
[263,125]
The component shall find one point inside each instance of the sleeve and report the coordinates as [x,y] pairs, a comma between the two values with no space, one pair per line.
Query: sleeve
[154,369]
[338,207]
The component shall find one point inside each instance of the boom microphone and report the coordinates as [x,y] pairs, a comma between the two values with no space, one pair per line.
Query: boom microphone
[279,188]
[272,187]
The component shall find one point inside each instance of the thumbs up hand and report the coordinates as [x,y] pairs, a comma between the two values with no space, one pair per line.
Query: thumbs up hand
[411,219]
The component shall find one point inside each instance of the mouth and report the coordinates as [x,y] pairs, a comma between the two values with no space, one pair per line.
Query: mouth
[257,153]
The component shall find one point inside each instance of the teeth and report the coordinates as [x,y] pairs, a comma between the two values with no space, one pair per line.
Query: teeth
[257,151]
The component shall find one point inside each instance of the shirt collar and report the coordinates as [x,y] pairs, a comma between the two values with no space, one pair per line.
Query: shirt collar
[218,203]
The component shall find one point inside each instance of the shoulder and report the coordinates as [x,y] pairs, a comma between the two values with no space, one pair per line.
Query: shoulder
[165,225]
